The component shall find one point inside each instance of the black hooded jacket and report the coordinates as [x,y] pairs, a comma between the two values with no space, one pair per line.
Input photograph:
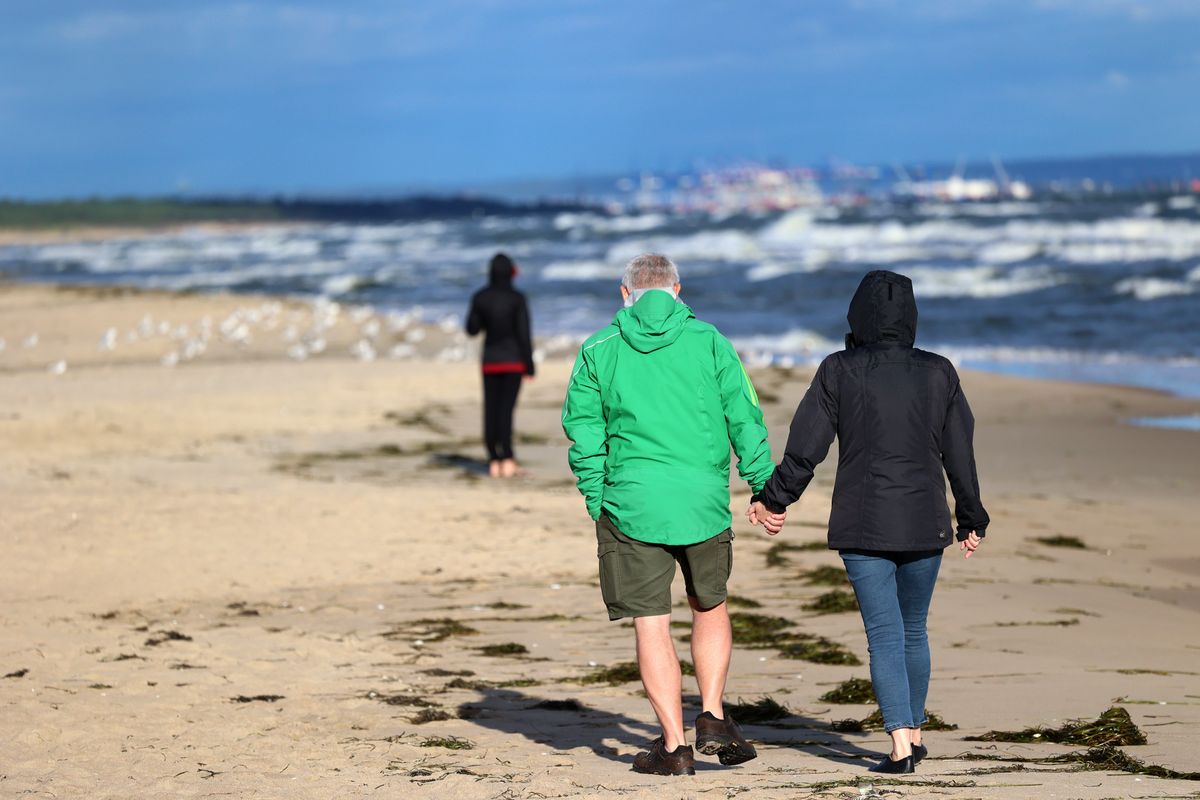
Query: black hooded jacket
[900,417]
[500,311]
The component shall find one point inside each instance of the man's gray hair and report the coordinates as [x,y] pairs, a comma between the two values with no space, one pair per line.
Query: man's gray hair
[650,271]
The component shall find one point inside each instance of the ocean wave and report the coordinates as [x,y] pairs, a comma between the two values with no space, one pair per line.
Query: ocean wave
[581,271]
[723,245]
[981,281]
[1154,288]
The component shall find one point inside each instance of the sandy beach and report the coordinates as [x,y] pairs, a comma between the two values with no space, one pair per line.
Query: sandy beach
[241,572]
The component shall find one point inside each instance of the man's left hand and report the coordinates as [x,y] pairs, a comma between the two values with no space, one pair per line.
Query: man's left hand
[758,514]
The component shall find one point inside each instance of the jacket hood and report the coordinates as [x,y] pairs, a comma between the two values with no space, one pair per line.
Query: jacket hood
[501,270]
[653,322]
[883,310]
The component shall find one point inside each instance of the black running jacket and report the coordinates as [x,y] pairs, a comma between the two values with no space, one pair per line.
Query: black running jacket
[501,313]
[900,417]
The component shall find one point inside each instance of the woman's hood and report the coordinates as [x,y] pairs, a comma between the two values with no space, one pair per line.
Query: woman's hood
[884,309]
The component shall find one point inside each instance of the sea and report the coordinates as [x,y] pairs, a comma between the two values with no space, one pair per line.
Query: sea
[1084,288]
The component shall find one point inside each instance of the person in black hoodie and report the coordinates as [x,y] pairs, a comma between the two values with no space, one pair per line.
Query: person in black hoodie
[501,313]
[901,418]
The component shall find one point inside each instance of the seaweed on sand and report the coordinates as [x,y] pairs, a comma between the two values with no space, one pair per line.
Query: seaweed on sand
[400,699]
[448,742]
[825,575]
[736,601]
[505,650]
[777,553]
[1106,757]
[1071,542]
[836,601]
[256,698]
[430,630]
[817,649]
[167,636]
[757,629]
[855,690]
[765,709]
[625,672]
[1113,727]
[874,722]
[430,715]
[438,672]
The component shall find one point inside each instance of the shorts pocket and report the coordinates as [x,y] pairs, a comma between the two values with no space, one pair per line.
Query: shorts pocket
[607,548]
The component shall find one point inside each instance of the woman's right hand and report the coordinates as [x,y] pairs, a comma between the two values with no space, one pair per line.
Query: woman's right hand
[970,544]
[758,514]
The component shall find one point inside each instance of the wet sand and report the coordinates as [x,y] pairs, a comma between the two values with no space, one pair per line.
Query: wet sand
[253,576]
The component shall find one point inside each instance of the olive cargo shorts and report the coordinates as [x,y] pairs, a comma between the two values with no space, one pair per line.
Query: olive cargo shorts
[635,577]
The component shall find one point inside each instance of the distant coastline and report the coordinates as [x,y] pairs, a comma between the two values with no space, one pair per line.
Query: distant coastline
[168,212]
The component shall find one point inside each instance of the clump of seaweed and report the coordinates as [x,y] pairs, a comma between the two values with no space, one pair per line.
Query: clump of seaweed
[430,715]
[737,601]
[463,683]
[518,683]
[777,553]
[1071,542]
[818,650]
[625,672]
[756,629]
[256,698]
[505,650]
[825,575]
[18,673]
[438,672]
[836,601]
[500,605]
[400,699]
[448,742]
[853,691]
[571,704]
[1107,757]
[1113,727]
[765,709]
[430,630]
[874,722]
[167,636]
[1046,623]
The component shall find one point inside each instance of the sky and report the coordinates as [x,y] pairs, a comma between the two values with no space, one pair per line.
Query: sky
[209,96]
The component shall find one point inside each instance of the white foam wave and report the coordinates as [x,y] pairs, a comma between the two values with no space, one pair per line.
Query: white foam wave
[980,281]
[581,271]
[1153,288]
[726,245]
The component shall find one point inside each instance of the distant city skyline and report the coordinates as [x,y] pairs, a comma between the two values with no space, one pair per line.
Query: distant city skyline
[209,97]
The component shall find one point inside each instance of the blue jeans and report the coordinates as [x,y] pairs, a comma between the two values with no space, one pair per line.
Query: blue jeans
[893,591]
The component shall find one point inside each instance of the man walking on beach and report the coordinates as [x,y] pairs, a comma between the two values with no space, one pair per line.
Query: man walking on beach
[654,402]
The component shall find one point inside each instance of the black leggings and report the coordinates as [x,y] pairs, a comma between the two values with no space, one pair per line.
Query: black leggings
[499,399]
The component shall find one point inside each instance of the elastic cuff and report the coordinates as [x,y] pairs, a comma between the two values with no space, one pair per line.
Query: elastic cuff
[963,533]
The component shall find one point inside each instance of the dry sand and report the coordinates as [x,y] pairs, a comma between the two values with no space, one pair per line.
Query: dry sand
[247,526]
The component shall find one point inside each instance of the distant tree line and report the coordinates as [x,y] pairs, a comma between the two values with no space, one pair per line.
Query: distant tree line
[171,211]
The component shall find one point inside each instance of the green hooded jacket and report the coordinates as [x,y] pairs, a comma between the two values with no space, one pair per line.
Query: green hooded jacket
[654,402]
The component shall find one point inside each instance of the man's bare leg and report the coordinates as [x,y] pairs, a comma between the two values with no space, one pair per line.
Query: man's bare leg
[660,675]
[712,646]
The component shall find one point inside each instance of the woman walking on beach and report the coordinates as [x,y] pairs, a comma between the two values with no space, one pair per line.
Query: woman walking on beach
[501,313]
[900,417]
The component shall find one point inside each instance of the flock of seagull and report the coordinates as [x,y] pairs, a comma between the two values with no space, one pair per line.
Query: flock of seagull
[304,333]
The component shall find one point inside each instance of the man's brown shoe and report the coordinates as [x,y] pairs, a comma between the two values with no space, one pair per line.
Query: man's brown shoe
[680,761]
[722,738]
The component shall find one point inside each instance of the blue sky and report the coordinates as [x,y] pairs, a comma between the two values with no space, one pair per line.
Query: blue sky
[148,97]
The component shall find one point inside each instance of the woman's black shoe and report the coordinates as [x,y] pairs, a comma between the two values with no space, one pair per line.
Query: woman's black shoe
[905,766]
[919,752]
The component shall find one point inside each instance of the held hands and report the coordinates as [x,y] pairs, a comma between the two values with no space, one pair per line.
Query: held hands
[969,544]
[758,514]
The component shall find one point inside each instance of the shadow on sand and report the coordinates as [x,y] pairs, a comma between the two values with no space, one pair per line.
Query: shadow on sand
[572,726]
